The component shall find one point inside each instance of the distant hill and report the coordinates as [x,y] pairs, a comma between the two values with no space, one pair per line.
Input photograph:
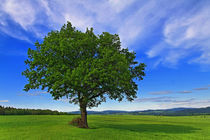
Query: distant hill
[102,112]
[163,112]
[160,112]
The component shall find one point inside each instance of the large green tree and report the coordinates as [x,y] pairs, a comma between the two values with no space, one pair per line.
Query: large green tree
[83,67]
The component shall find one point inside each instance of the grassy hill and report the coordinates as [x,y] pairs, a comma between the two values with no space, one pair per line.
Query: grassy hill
[117,127]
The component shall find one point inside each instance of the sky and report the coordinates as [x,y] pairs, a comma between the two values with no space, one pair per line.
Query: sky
[171,37]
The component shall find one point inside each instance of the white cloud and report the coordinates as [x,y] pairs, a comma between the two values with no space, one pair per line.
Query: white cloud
[20,19]
[202,88]
[142,23]
[53,14]
[21,12]
[193,28]
[166,102]
[81,22]
[19,34]
[156,99]
[4,101]
[35,93]
[119,5]
[185,91]
[185,35]
[190,103]
[173,102]
[160,92]
[136,25]
[72,11]
[184,32]
[64,100]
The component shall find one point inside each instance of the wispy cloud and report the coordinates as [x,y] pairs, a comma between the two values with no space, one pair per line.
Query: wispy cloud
[181,34]
[21,12]
[64,100]
[185,91]
[24,20]
[4,101]
[174,102]
[202,88]
[181,91]
[160,92]
[184,35]
[36,93]
[165,99]
[195,103]
[119,5]
[156,99]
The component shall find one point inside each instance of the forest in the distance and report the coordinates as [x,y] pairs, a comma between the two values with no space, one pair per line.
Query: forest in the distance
[20,111]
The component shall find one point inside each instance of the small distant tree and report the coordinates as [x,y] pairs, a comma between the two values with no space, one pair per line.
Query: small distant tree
[84,67]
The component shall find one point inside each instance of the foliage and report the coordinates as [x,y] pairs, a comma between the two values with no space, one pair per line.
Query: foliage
[20,111]
[84,67]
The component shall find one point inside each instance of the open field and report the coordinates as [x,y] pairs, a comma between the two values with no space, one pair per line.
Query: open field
[118,127]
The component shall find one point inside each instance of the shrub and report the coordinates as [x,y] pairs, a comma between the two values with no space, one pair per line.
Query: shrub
[77,122]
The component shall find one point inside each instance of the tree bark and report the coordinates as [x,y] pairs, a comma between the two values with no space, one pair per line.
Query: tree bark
[84,116]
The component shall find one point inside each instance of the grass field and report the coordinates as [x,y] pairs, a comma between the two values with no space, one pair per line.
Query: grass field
[117,127]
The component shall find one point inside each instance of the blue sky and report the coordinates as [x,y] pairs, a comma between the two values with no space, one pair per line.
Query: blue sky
[171,37]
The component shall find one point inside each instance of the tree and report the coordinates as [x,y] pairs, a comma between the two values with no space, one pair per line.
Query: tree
[83,67]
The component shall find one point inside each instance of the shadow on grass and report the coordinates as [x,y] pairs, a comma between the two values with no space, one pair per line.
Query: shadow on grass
[153,128]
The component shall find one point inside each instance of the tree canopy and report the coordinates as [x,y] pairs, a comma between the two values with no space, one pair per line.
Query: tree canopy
[84,67]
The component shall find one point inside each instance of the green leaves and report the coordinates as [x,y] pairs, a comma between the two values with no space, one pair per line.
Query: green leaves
[83,67]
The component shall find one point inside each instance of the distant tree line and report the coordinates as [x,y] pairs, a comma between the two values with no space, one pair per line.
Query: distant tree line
[20,111]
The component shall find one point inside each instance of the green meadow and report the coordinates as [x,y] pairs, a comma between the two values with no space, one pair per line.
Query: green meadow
[103,127]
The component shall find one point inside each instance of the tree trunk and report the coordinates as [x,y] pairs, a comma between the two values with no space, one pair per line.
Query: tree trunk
[84,116]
